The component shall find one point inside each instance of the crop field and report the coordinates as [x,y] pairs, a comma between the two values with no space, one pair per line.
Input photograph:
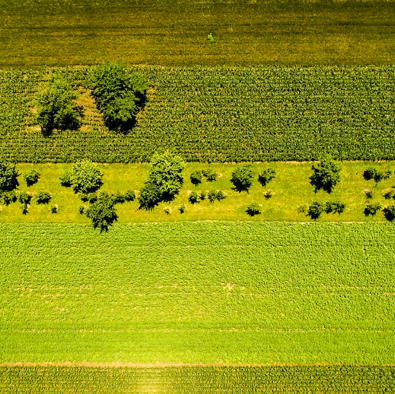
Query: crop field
[190,380]
[169,32]
[227,114]
[291,189]
[201,292]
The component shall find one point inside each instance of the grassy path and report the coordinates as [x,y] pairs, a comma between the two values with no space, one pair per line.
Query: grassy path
[291,189]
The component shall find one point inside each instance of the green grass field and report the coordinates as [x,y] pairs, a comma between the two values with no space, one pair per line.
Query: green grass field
[190,380]
[198,293]
[165,32]
[216,114]
[291,189]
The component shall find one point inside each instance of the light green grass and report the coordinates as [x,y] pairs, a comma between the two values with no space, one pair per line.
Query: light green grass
[199,380]
[198,292]
[168,32]
[291,189]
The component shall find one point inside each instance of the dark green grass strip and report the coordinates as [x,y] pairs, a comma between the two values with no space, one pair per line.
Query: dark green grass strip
[198,293]
[168,32]
[189,380]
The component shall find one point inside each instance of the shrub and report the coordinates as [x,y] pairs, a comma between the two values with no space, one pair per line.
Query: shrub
[326,174]
[266,176]
[119,198]
[182,208]
[193,198]
[8,197]
[303,208]
[334,207]
[130,195]
[389,212]
[54,208]
[210,175]
[388,193]
[102,212]
[212,195]
[373,173]
[8,177]
[202,195]
[268,194]
[24,198]
[371,209]
[24,208]
[315,209]
[167,210]
[196,177]
[254,209]
[166,174]
[56,108]
[81,209]
[368,193]
[242,178]
[85,177]
[43,198]
[65,179]
[220,195]
[150,196]
[31,177]
[118,95]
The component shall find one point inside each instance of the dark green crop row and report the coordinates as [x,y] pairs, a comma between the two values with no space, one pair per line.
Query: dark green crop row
[190,380]
[223,114]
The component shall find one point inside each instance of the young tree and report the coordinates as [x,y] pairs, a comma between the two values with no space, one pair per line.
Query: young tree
[31,177]
[8,177]
[254,209]
[242,178]
[118,95]
[85,177]
[326,174]
[56,107]
[266,176]
[102,212]
[150,196]
[315,209]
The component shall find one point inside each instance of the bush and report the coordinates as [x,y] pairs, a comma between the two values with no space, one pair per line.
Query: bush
[371,209]
[167,210]
[118,95]
[335,207]
[8,197]
[31,177]
[389,212]
[8,177]
[388,193]
[24,198]
[210,175]
[196,177]
[182,208]
[43,198]
[266,176]
[130,195]
[81,209]
[24,208]
[254,209]
[373,173]
[326,174]
[166,175]
[102,212]
[315,209]
[150,196]
[193,198]
[85,177]
[54,209]
[368,193]
[119,198]
[212,195]
[242,178]
[65,179]
[268,194]
[202,195]
[56,108]
[220,195]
